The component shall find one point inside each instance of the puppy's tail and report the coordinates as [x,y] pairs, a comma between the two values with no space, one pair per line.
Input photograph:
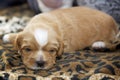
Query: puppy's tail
[118,35]
[116,42]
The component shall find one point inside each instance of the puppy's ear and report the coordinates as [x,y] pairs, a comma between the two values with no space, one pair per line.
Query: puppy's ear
[18,41]
[61,49]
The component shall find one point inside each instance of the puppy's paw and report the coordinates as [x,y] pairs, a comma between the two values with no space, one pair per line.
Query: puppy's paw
[6,38]
[98,45]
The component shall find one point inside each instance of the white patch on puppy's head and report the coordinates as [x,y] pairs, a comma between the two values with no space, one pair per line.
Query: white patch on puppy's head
[41,36]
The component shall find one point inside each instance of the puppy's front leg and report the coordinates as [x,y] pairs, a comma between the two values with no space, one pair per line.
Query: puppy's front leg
[9,38]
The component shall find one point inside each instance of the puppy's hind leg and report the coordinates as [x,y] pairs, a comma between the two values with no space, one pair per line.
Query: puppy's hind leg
[99,45]
[105,46]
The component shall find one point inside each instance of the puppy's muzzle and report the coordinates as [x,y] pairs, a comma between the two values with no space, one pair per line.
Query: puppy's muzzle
[40,64]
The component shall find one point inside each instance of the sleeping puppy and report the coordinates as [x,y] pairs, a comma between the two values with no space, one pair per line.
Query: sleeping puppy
[50,34]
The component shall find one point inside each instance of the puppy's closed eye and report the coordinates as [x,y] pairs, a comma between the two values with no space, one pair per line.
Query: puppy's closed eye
[27,49]
[52,50]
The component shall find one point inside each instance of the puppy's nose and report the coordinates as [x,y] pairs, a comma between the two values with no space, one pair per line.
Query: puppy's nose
[40,63]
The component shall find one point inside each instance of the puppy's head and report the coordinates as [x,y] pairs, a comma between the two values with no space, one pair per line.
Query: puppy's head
[39,48]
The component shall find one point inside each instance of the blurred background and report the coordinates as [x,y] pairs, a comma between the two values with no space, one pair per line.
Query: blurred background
[31,7]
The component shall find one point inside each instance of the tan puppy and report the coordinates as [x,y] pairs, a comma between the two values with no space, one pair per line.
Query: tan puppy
[50,34]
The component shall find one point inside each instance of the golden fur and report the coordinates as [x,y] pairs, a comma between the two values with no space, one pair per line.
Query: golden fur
[70,29]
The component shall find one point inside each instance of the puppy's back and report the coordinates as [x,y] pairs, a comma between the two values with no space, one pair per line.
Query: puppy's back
[79,26]
[75,16]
